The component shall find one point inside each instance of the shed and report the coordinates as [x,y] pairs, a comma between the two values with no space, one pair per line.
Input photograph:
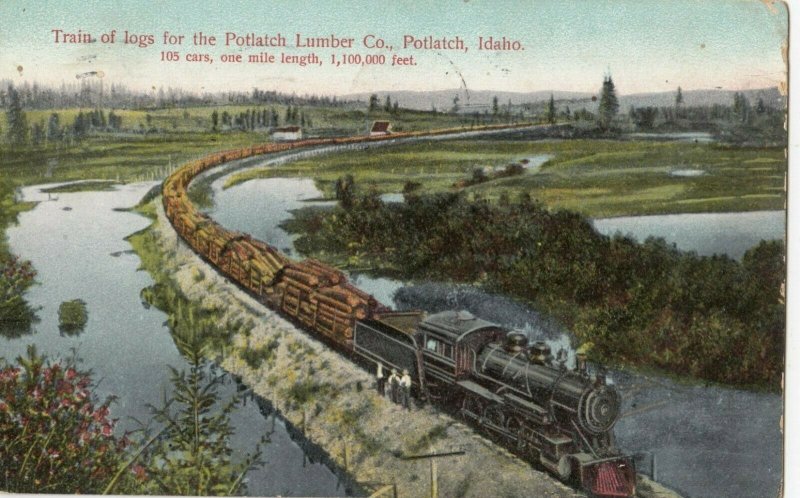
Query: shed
[286,133]
[380,128]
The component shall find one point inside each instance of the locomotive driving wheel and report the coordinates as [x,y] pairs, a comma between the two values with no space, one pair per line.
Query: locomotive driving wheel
[518,432]
[471,407]
[493,415]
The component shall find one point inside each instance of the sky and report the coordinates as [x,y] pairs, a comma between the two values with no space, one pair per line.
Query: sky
[646,45]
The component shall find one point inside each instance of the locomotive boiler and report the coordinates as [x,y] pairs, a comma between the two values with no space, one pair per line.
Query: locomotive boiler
[556,417]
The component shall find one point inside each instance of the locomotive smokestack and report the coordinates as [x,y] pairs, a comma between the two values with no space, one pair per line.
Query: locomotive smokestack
[539,353]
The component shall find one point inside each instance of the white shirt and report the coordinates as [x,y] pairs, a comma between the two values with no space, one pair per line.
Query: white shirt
[405,380]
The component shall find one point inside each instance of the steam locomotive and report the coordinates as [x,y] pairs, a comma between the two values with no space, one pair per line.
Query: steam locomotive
[557,417]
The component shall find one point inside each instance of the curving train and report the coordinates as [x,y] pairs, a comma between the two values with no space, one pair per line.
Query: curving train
[559,418]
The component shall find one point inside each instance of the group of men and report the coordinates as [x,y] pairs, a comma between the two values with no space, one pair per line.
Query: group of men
[399,386]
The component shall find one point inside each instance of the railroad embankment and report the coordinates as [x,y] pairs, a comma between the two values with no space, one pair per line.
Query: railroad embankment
[333,401]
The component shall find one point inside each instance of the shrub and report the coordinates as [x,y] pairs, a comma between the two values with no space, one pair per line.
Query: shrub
[72,316]
[15,278]
[55,434]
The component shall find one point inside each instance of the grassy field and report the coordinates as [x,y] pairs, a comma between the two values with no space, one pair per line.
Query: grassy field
[594,177]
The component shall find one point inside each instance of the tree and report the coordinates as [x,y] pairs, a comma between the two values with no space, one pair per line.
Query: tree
[16,119]
[678,102]
[373,102]
[114,121]
[37,132]
[192,455]
[345,191]
[387,106]
[609,105]
[54,127]
[214,120]
[455,107]
[551,110]
[644,117]
[741,107]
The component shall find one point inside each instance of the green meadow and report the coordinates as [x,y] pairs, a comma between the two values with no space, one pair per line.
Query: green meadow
[597,178]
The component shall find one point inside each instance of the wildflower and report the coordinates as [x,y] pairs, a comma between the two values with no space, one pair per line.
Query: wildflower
[139,472]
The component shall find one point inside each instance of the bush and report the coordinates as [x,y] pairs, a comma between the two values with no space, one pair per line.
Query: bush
[15,278]
[72,316]
[56,436]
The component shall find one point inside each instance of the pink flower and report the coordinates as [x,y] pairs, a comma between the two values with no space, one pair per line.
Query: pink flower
[71,373]
[139,472]
[107,431]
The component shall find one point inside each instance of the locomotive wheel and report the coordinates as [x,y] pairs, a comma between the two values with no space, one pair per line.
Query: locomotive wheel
[515,427]
[493,414]
[471,408]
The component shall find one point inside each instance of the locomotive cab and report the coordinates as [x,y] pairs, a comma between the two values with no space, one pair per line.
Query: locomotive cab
[451,341]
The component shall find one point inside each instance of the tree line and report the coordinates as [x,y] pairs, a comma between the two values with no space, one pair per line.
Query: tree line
[20,132]
[94,92]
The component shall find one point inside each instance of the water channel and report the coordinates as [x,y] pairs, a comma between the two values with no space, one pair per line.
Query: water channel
[76,243]
[705,441]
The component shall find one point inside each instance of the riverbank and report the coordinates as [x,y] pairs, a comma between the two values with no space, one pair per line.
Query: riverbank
[334,402]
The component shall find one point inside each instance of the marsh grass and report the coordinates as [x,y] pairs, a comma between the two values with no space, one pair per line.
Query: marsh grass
[597,178]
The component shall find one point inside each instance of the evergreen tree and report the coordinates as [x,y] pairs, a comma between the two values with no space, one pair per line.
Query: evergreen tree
[16,119]
[609,105]
[37,133]
[387,106]
[54,127]
[551,110]
[373,102]
[214,120]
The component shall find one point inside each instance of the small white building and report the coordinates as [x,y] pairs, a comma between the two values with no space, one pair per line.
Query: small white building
[287,133]
[380,128]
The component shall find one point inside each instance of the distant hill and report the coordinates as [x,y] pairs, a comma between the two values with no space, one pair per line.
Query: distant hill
[481,100]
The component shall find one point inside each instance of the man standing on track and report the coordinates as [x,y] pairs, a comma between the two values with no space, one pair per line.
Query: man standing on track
[405,389]
[381,380]
[394,386]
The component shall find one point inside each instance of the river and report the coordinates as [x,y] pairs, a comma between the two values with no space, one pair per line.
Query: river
[76,243]
[706,441]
